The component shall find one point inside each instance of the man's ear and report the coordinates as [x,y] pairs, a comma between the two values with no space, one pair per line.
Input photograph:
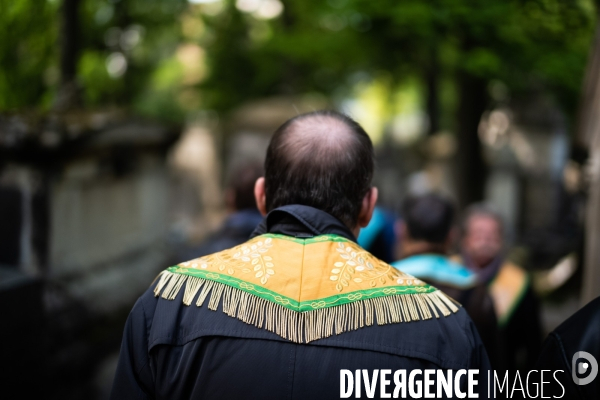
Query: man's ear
[259,196]
[367,207]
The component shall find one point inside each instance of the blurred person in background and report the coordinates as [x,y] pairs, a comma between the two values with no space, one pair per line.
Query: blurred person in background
[298,302]
[517,310]
[426,237]
[243,216]
[379,237]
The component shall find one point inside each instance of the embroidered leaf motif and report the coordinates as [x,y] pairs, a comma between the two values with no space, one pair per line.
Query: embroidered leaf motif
[246,258]
[361,263]
[255,254]
[354,268]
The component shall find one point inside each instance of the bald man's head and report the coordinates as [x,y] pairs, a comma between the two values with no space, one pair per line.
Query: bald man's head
[322,159]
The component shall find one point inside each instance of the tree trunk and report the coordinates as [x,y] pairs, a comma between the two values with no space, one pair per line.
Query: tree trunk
[471,168]
[433,98]
[68,93]
[588,136]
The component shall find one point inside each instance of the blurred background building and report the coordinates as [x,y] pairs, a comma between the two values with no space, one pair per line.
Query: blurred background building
[121,120]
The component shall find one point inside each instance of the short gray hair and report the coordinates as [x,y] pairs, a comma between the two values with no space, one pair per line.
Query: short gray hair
[481,210]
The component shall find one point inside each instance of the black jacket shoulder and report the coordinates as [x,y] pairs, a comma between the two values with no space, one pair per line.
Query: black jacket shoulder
[581,332]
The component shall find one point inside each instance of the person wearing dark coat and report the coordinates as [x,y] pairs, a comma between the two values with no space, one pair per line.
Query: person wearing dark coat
[300,309]
[516,305]
[425,239]
[562,351]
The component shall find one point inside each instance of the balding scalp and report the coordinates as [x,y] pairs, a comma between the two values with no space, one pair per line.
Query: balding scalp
[322,159]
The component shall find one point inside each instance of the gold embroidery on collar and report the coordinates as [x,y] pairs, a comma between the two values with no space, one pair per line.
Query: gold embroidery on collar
[277,284]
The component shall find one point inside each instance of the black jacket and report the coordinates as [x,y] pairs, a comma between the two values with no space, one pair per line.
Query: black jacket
[581,332]
[236,229]
[480,307]
[171,351]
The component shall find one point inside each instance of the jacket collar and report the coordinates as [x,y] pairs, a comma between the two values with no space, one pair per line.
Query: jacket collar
[302,222]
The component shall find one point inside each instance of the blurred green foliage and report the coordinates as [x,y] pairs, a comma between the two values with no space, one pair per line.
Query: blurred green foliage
[326,46]
[166,58]
[27,53]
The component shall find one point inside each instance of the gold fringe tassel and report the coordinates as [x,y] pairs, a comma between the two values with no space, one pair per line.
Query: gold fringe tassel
[304,327]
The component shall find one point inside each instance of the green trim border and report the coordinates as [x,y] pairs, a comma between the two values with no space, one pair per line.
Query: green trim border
[328,237]
[302,306]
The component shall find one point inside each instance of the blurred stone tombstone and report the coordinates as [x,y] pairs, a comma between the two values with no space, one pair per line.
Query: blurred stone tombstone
[252,124]
[247,146]
[526,147]
[502,186]
[84,205]
[197,195]
[437,175]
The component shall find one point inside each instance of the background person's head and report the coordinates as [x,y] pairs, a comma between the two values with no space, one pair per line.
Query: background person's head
[239,194]
[482,234]
[426,224]
[322,159]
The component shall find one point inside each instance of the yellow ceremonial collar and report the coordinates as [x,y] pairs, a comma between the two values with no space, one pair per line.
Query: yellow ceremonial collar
[326,278]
